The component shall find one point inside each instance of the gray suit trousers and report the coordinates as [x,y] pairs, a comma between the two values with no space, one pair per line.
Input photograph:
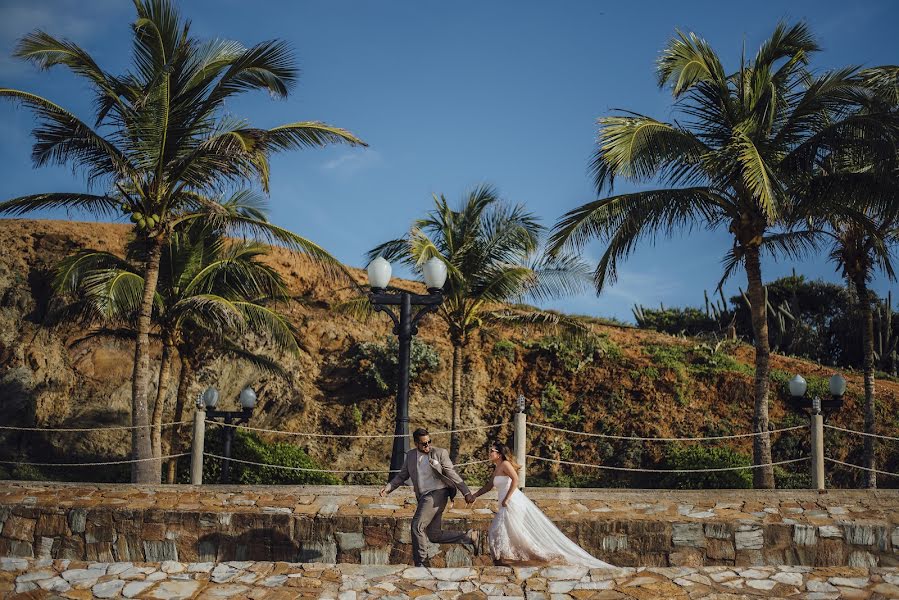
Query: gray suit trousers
[426,524]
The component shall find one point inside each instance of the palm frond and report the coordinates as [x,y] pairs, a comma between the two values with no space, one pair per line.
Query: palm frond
[103,205]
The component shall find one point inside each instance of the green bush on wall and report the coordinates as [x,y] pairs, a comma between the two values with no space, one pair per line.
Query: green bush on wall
[250,447]
[703,457]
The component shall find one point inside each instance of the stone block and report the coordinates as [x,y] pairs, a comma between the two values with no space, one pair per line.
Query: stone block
[207,549]
[158,551]
[349,540]
[613,543]
[859,534]
[71,548]
[687,557]
[688,534]
[720,549]
[379,535]
[77,520]
[128,548]
[16,548]
[749,538]
[19,528]
[51,525]
[863,559]
[99,551]
[717,531]
[348,524]
[99,533]
[318,552]
[748,558]
[777,535]
[805,535]
[831,553]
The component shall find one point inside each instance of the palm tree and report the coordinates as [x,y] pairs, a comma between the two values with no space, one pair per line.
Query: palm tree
[491,253]
[171,147]
[729,162]
[208,286]
[863,171]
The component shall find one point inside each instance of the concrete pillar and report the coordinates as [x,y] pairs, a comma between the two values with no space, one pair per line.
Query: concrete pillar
[196,449]
[520,428]
[818,452]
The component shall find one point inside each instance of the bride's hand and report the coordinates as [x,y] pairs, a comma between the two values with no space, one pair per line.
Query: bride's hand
[505,503]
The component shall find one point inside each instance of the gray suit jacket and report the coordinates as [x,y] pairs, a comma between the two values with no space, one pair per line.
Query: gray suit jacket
[444,471]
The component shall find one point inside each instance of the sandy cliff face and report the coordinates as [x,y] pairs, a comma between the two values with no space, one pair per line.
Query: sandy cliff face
[51,377]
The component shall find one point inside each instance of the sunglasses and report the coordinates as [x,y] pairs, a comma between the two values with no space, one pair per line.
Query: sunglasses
[428,443]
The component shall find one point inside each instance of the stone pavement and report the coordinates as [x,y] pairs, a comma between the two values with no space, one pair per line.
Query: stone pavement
[36,579]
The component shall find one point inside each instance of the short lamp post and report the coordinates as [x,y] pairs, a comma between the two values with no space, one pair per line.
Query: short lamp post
[818,408]
[247,401]
[405,326]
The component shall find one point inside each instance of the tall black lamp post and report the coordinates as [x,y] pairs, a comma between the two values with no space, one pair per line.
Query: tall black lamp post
[247,400]
[405,325]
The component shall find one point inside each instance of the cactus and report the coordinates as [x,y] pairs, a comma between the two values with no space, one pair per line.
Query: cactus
[886,341]
[781,319]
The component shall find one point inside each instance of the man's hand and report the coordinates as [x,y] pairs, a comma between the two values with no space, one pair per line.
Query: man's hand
[470,498]
[383,492]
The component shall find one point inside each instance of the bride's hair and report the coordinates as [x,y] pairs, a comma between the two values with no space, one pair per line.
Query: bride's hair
[506,453]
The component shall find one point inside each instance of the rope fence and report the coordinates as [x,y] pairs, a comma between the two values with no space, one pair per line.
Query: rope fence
[348,435]
[666,439]
[86,429]
[859,467]
[308,469]
[862,433]
[641,470]
[94,464]
[520,431]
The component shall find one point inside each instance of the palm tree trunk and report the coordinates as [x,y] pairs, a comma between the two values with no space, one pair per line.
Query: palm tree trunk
[141,450]
[864,299]
[457,400]
[180,402]
[763,477]
[162,390]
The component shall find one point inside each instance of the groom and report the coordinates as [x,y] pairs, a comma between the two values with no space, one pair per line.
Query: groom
[435,482]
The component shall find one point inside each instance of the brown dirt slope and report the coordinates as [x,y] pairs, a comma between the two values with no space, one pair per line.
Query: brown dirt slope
[626,386]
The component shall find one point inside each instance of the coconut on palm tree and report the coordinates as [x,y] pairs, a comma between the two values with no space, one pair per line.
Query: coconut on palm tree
[491,251]
[727,162]
[208,286]
[169,149]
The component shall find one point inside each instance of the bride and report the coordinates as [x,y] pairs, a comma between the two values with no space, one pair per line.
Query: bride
[520,532]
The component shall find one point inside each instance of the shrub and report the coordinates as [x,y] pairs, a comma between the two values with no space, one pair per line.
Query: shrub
[356,416]
[703,457]
[506,349]
[553,405]
[248,446]
[572,353]
[377,363]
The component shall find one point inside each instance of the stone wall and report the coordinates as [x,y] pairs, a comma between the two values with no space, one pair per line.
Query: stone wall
[352,525]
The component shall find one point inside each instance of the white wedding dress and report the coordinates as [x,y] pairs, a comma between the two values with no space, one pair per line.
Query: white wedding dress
[521,532]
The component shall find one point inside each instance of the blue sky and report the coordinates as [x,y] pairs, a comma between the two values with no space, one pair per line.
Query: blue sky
[450,95]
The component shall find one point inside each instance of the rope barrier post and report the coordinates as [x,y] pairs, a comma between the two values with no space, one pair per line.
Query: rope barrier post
[817,431]
[520,436]
[196,450]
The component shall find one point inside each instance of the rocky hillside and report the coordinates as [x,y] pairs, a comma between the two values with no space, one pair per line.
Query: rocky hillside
[624,382]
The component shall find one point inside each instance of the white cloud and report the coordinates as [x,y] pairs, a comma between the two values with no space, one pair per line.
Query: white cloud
[352,161]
